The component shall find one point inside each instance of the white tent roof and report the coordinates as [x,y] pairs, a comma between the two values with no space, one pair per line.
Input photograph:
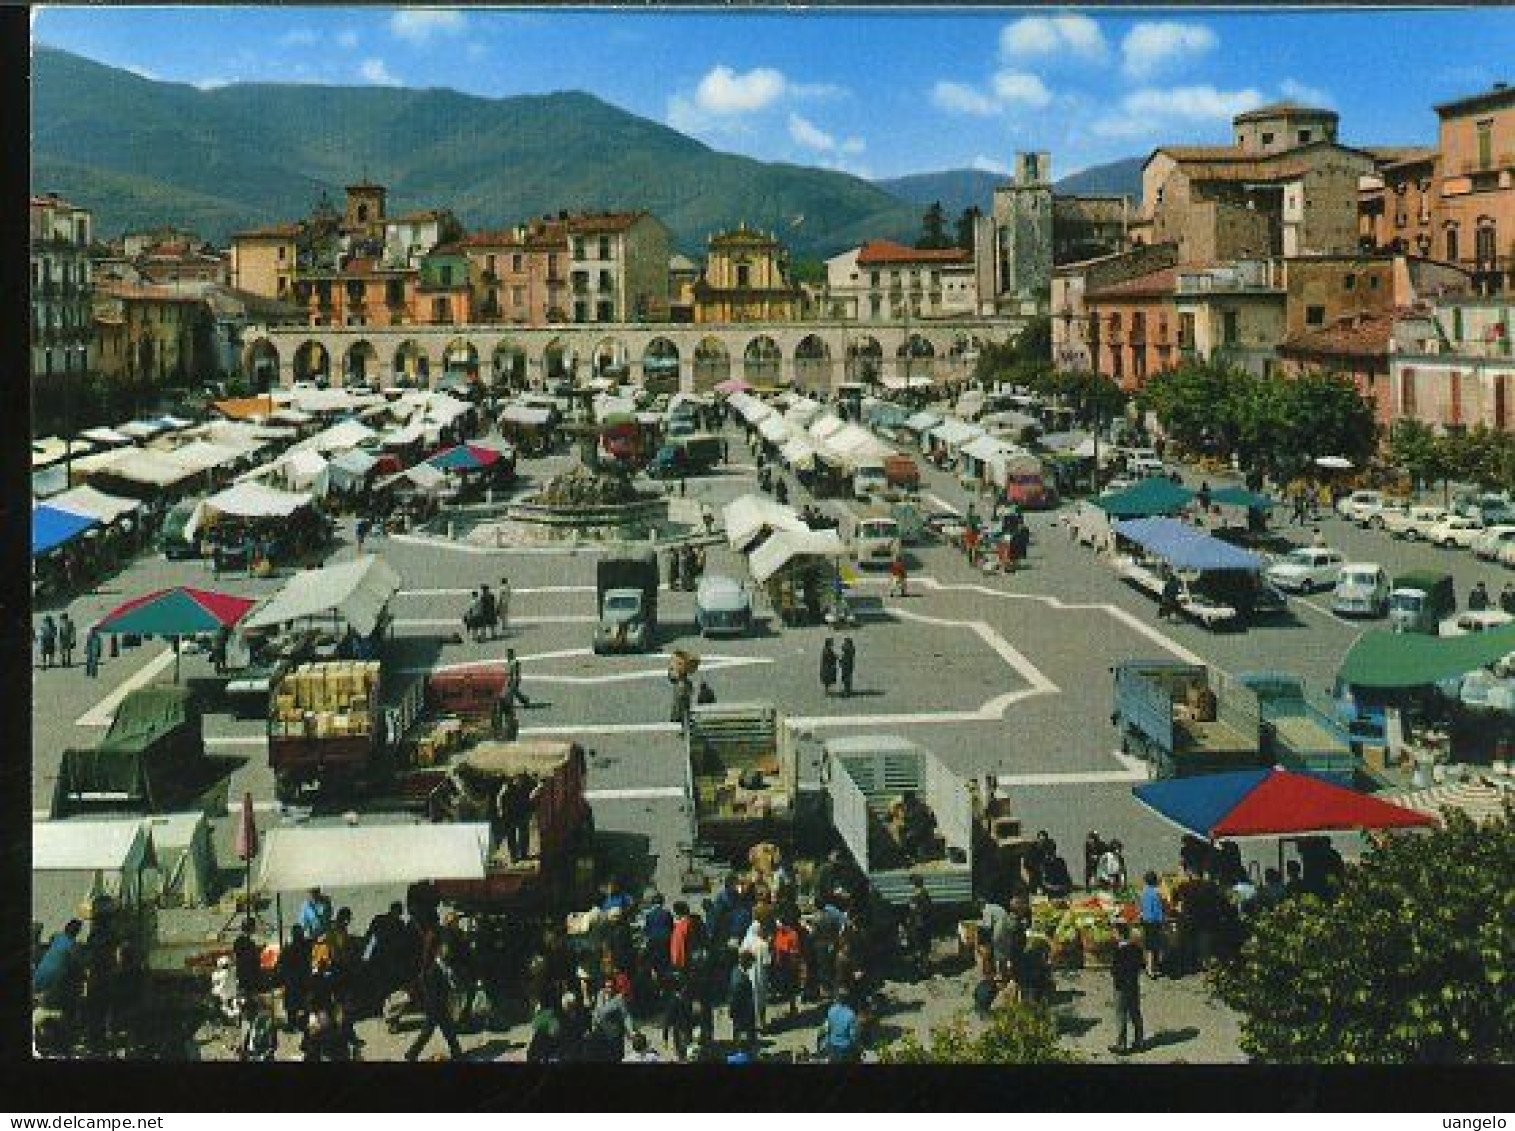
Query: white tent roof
[403,436]
[853,446]
[803,411]
[299,468]
[331,400]
[137,465]
[91,846]
[247,500]
[786,545]
[798,453]
[900,381]
[94,504]
[826,426]
[922,421]
[773,430]
[105,436]
[955,433]
[357,591]
[747,516]
[605,405]
[525,414]
[423,475]
[201,455]
[751,409]
[352,856]
[50,450]
[354,462]
[338,438]
[985,447]
[142,429]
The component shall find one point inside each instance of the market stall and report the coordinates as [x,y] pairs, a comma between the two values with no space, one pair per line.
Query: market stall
[352,595]
[175,614]
[1219,582]
[748,519]
[250,521]
[112,858]
[136,471]
[54,527]
[1149,498]
[346,473]
[529,427]
[797,569]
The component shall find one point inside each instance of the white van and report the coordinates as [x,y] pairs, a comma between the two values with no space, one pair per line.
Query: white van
[876,538]
[869,480]
[1362,590]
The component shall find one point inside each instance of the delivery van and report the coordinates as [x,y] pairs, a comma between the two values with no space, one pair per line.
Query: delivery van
[1420,601]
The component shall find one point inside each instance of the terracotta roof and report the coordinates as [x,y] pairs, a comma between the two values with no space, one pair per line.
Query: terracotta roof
[1391,155]
[1273,109]
[1502,95]
[602,221]
[271,231]
[135,293]
[504,238]
[887,251]
[1154,284]
[1203,153]
[454,248]
[1357,335]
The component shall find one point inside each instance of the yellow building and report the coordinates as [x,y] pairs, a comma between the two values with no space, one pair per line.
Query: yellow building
[263,260]
[151,335]
[745,280]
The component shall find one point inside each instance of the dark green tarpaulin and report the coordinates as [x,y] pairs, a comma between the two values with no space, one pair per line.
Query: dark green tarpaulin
[1149,497]
[1241,497]
[1411,659]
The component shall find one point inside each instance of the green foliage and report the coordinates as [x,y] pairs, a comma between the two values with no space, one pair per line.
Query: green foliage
[1021,1034]
[934,229]
[1478,455]
[1276,424]
[966,221]
[1410,964]
[141,152]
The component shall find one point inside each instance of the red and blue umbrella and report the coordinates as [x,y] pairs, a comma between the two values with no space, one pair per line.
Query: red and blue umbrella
[1272,802]
[465,457]
[181,611]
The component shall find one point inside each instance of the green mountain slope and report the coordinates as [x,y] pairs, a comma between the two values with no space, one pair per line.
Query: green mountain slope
[141,152]
[958,188]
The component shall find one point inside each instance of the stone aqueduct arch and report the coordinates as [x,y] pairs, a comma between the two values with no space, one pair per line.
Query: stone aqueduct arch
[815,355]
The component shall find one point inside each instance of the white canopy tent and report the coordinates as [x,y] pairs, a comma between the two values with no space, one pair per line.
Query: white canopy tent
[202,455]
[50,450]
[527,416]
[118,855]
[826,426]
[798,454]
[107,436]
[356,856]
[247,500]
[902,381]
[329,400]
[853,446]
[338,438]
[356,591]
[422,476]
[953,434]
[772,429]
[186,857]
[920,422]
[344,471]
[95,504]
[802,412]
[298,469]
[748,516]
[142,429]
[136,465]
[787,545]
[403,436]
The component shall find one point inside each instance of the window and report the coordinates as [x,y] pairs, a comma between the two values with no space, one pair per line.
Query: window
[743,276]
[283,253]
[515,262]
[1485,130]
[605,312]
[1315,316]
[517,296]
[1407,393]
[1373,282]
[581,312]
[873,278]
[607,283]
[489,264]
[1229,332]
[446,275]
[1483,243]
[1452,244]
[604,247]
[1305,136]
[1267,139]
[1349,282]
[578,247]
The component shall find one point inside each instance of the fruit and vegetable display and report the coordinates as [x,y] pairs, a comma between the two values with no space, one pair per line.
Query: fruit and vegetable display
[1080,932]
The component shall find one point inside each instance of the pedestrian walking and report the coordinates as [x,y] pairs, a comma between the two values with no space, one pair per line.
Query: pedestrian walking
[47,639]
[1112,867]
[504,604]
[513,690]
[898,574]
[1094,848]
[828,665]
[1507,598]
[918,913]
[437,985]
[1125,971]
[846,663]
[489,612]
[68,636]
[683,699]
[1478,600]
[1152,913]
[92,652]
[741,1002]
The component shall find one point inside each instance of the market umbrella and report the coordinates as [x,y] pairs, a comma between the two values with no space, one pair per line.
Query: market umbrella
[465,457]
[1271,803]
[732,385]
[1149,497]
[176,613]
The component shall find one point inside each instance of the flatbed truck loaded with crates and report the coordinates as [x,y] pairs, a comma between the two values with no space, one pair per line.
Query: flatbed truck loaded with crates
[326,727]
[743,767]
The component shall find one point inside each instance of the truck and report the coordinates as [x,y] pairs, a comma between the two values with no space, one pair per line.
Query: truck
[902,473]
[326,727]
[742,777]
[875,537]
[557,872]
[151,760]
[626,595]
[1030,490]
[687,455]
[1187,719]
[901,813]
[1421,600]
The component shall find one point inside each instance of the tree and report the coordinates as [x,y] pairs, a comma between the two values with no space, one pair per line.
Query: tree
[1415,447]
[1200,405]
[933,228]
[965,227]
[1320,414]
[1021,1034]
[1407,965]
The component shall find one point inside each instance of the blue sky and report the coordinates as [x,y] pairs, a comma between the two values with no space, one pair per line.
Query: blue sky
[875,93]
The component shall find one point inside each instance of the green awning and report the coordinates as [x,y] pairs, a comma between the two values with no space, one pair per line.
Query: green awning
[1149,497]
[1241,497]
[1410,659]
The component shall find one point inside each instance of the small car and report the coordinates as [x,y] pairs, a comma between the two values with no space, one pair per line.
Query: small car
[1306,569]
[1469,622]
[1414,523]
[1455,532]
[1362,590]
[1491,539]
[1359,505]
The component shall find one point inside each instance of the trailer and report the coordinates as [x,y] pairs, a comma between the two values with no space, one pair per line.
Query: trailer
[326,727]
[557,872]
[1186,718]
[1299,731]
[901,813]
[742,776]
[152,760]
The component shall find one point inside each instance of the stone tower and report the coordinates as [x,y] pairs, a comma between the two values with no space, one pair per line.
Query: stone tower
[1023,236]
[365,207]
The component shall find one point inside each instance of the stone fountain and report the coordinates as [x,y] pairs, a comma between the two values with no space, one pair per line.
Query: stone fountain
[584,504]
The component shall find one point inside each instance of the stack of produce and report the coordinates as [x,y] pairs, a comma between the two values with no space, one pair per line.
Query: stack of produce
[325,700]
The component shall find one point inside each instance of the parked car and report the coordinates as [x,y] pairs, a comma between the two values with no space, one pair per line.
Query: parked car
[1359,505]
[1415,523]
[1491,539]
[1377,517]
[1455,532]
[1479,621]
[1506,556]
[1362,590]
[1306,569]
[722,605]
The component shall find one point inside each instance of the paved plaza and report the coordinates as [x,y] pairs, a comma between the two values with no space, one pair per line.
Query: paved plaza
[998,675]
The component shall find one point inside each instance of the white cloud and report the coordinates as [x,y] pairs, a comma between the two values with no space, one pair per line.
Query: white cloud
[1309,95]
[990,165]
[211,83]
[959,98]
[806,133]
[377,72]
[1019,88]
[1066,34]
[143,72]
[852,146]
[1151,46]
[1191,103]
[725,91]
[299,37]
[347,39]
[422,25]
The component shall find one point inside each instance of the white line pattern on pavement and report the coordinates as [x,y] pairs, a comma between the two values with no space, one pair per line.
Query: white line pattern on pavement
[636,793]
[103,712]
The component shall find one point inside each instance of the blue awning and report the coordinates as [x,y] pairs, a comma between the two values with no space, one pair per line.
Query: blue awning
[1185,547]
[1199,803]
[52,527]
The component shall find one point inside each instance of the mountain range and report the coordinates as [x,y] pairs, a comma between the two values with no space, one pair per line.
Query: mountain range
[141,153]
